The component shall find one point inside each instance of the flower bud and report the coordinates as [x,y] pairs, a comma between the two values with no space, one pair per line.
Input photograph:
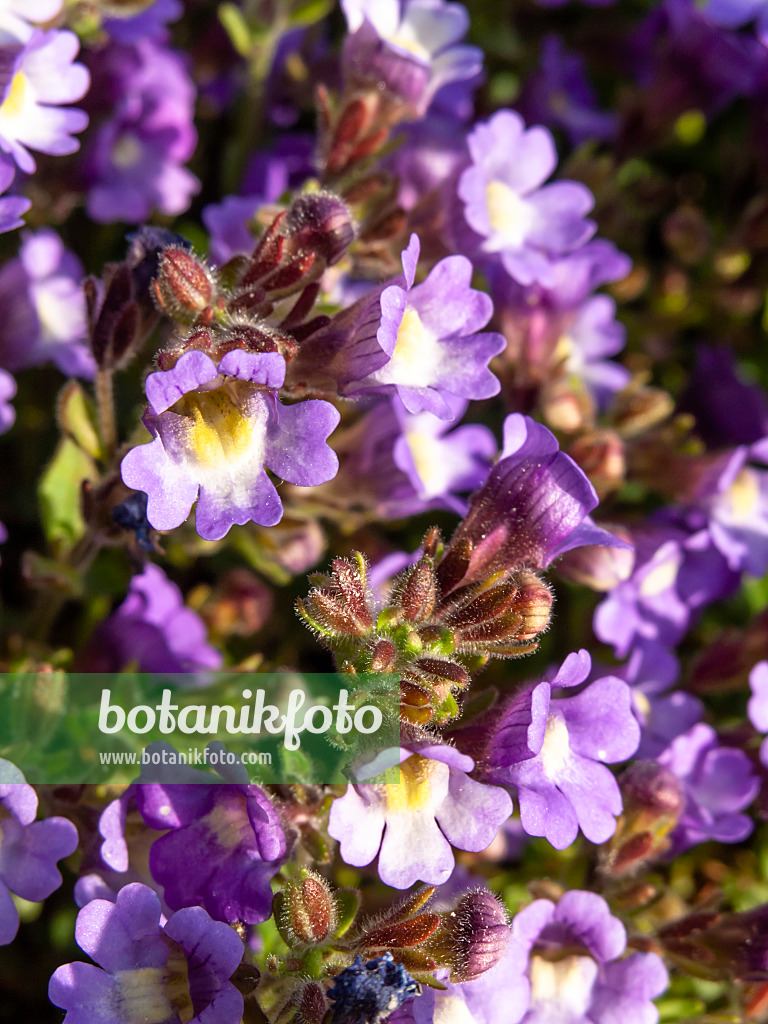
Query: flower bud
[239,606]
[601,455]
[183,286]
[307,909]
[601,568]
[533,603]
[720,946]
[322,223]
[473,937]
[419,592]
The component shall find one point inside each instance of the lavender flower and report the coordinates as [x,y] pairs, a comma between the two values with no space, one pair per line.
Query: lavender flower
[552,749]
[224,845]
[729,410]
[533,507]
[504,203]
[30,848]
[135,162]
[719,783]
[42,300]
[152,629]
[733,13]
[36,78]
[147,24]
[427,339]
[574,969]
[214,429]
[18,17]
[422,34]
[413,824]
[179,970]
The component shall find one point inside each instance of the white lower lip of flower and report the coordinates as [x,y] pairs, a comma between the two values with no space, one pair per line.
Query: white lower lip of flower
[556,749]
[406,39]
[422,787]
[452,1010]
[416,354]
[742,497]
[661,577]
[430,463]
[561,990]
[509,215]
[60,317]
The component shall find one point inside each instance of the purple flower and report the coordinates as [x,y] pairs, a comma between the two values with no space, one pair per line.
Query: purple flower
[405,464]
[12,208]
[36,78]
[533,507]
[413,824]
[214,430]
[135,162]
[422,48]
[152,629]
[7,391]
[552,749]
[148,24]
[757,708]
[676,573]
[29,849]
[179,970]
[733,13]
[504,203]
[559,95]
[224,845]
[719,783]
[574,969]
[729,410]
[428,342]
[42,300]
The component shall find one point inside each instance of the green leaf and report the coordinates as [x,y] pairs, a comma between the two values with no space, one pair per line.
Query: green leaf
[309,11]
[59,494]
[77,415]
[237,28]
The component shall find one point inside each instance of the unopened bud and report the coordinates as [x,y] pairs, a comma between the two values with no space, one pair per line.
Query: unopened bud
[601,568]
[639,408]
[312,1004]
[307,909]
[239,606]
[320,223]
[601,456]
[183,286]
[720,946]
[533,603]
[474,937]
[419,592]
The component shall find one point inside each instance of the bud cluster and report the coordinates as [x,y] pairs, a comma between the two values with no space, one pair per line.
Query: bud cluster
[431,642]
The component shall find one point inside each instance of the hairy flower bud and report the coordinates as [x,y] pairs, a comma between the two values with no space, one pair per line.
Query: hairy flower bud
[419,591]
[473,937]
[720,946]
[306,909]
[183,286]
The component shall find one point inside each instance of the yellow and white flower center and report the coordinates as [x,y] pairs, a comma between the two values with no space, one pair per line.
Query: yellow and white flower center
[562,990]
[228,821]
[18,95]
[155,995]
[744,495]
[221,433]
[127,152]
[407,39]
[661,577]
[429,462]
[423,785]
[556,749]
[452,1010]
[510,216]
[415,356]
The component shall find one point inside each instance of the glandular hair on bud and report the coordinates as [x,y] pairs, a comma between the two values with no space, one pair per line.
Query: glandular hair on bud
[308,908]
[183,285]
[533,603]
[475,935]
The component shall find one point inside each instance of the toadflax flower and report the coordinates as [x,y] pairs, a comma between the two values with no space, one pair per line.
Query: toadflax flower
[412,824]
[36,79]
[215,429]
[532,508]
[428,340]
[30,848]
[224,844]
[574,970]
[176,971]
[524,223]
[554,748]
[423,35]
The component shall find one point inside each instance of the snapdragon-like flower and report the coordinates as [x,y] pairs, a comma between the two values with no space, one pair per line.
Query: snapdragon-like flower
[30,848]
[152,629]
[41,297]
[215,429]
[428,339]
[36,79]
[134,164]
[412,824]
[574,970]
[149,971]
[425,35]
[224,845]
[505,203]
[554,750]
[533,507]
[719,783]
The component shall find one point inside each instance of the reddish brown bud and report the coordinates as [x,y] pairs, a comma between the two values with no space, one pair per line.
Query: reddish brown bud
[312,1003]
[384,656]
[308,910]
[320,223]
[534,603]
[183,286]
[437,671]
[401,934]
[239,606]
[419,592]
